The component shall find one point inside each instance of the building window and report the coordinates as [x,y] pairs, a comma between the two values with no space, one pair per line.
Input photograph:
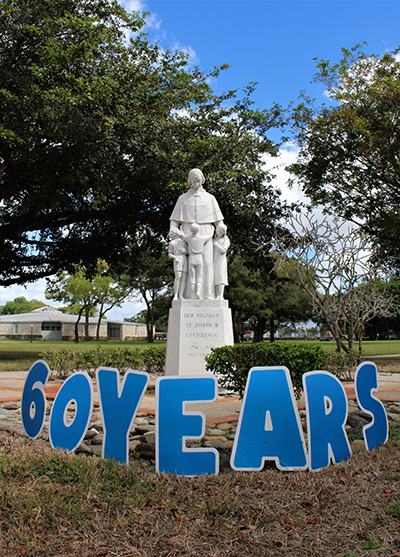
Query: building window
[15,329]
[114,332]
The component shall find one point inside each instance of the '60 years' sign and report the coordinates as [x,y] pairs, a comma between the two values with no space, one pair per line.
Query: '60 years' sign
[269,426]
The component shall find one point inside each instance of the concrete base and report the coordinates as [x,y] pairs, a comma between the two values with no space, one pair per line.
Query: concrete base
[194,328]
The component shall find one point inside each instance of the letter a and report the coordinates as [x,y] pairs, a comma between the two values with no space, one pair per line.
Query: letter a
[269,426]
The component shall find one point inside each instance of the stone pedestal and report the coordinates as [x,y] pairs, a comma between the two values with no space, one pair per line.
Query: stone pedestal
[194,328]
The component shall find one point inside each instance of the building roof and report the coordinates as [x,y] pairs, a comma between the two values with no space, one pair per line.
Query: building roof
[50,315]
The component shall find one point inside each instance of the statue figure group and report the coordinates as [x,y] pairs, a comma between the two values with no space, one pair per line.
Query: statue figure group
[198,243]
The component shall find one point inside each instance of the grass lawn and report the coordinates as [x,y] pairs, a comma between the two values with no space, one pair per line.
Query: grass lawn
[19,355]
[55,504]
[371,347]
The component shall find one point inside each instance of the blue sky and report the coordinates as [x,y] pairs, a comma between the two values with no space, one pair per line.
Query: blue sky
[271,42]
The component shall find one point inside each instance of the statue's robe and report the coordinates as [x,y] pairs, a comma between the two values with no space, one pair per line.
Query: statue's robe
[201,207]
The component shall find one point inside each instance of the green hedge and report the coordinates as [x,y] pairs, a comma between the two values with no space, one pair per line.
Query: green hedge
[64,362]
[232,363]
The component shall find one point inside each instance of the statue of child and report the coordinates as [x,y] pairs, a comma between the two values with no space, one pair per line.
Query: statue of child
[221,246]
[196,244]
[178,252]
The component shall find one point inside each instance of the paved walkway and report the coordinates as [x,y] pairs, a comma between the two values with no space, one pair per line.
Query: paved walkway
[224,409]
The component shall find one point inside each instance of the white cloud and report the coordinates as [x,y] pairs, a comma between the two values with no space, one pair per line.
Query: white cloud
[152,21]
[187,50]
[134,5]
[276,165]
[35,290]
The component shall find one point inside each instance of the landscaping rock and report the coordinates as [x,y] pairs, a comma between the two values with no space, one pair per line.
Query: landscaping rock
[392,417]
[82,448]
[142,429]
[145,450]
[216,432]
[91,433]
[11,406]
[355,432]
[355,420]
[98,440]
[149,437]
[358,446]
[140,421]
[133,445]
[225,427]
[215,443]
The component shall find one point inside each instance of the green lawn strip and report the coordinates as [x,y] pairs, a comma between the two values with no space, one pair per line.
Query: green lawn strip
[369,347]
[19,355]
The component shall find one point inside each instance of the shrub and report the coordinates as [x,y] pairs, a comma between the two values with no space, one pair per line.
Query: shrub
[63,362]
[341,364]
[154,359]
[232,363]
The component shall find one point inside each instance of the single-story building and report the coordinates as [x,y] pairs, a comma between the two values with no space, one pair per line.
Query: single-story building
[50,324]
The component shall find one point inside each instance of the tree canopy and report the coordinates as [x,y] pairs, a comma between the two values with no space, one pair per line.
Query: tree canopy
[20,305]
[153,285]
[334,265]
[98,133]
[264,299]
[349,157]
[84,293]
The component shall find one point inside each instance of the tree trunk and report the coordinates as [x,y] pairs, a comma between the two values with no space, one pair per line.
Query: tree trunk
[351,335]
[149,324]
[361,331]
[149,327]
[76,326]
[271,330]
[99,323]
[237,325]
[259,329]
[87,324]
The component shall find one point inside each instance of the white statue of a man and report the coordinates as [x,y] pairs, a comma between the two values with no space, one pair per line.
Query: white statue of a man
[200,207]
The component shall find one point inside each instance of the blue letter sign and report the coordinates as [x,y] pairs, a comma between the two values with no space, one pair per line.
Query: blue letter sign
[268,429]
[269,426]
[77,388]
[33,403]
[175,425]
[326,406]
[365,382]
[119,403]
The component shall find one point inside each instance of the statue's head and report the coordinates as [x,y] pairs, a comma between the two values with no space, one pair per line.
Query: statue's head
[174,233]
[221,230]
[194,228]
[196,178]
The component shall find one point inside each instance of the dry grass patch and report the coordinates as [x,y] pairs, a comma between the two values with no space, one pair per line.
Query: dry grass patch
[56,504]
